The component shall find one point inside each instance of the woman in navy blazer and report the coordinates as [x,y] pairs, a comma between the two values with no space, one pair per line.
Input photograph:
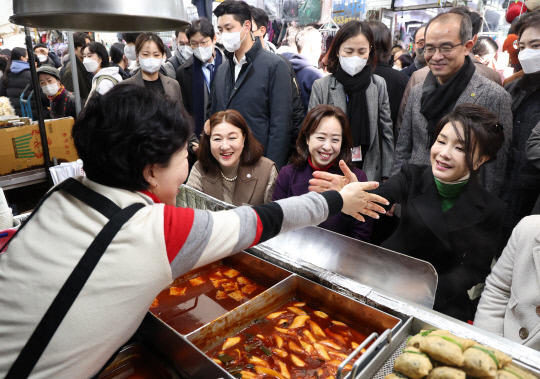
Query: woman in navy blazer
[447,218]
[324,140]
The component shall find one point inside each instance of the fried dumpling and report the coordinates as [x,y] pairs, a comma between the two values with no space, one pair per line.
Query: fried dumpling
[444,372]
[483,361]
[413,363]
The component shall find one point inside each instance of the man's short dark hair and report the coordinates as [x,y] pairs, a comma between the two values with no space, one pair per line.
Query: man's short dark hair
[100,50]
[260,17]
[465,26]
[475,17]
[203,26]
[349,30]
[130,37]
[416,32]
[38,45]
[485,45]
[118,134]
[183,30]
[530,20]
[79,39]
[383,40]
[117,52]
[236,8]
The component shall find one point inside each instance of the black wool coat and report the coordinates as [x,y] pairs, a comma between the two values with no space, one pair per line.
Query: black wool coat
[460,243]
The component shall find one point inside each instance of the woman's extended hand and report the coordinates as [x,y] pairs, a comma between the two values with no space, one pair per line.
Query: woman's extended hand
[356,200]
[324,181]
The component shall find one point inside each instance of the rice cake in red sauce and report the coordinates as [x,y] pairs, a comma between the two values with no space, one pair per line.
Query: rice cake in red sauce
[295,341]
[188,304]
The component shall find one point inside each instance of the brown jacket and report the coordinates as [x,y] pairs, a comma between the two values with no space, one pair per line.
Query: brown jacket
[420,75]
[252,185]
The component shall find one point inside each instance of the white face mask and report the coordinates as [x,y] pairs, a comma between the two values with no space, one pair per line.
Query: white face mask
[185,51]
[530,60]
[150,65]
[129,52]
[50,89]
[42,58]
[352,65]
[396,68]
[90,64]
[204,53]
[231,41]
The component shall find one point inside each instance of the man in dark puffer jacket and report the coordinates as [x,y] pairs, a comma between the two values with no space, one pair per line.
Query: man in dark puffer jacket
[16,78]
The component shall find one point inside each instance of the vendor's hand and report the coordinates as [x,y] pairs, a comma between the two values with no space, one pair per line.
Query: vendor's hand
[356,200]
[324,181]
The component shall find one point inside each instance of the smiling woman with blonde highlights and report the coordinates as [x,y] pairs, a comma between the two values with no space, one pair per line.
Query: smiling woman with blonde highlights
[230,164]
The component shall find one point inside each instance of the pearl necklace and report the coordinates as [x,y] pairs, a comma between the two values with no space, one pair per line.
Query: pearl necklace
[228,179]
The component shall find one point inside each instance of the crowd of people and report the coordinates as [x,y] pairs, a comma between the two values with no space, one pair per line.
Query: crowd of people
[455,152]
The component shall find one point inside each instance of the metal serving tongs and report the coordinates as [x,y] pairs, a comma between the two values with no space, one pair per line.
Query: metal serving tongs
[386,336]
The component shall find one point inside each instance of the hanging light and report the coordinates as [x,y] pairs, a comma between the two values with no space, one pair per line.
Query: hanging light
[100,15]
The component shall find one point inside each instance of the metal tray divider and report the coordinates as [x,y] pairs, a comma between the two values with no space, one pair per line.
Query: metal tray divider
[379,344]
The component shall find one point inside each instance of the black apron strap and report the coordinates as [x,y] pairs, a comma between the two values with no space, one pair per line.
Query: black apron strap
[40,338]
[93,199]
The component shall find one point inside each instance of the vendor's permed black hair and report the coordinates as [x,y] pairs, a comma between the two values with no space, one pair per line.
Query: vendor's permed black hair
[118,134]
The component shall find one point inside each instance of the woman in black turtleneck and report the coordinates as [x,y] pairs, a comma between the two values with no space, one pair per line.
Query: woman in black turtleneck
[447,218]
[361,95]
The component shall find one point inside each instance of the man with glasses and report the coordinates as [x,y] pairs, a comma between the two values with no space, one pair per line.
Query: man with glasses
[419,60]
[420,75]
[196,75]
[452,80]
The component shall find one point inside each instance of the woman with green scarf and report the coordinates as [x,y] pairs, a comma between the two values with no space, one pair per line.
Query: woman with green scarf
[447,218]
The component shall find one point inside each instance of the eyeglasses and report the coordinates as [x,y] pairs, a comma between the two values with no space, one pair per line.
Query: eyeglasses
[200,44]
[444,49]
[420,43]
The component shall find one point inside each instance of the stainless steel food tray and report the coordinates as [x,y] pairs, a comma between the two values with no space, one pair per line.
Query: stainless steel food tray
[186,351]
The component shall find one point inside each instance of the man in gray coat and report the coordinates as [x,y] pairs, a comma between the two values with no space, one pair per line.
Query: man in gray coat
[452,80]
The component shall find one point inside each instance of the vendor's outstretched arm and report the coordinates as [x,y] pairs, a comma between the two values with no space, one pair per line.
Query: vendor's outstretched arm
[196,237]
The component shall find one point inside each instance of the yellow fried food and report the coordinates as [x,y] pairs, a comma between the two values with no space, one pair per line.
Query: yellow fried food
[484,361]
[413,363]
[444,372]
[414,341]
[395,375]
[513,372]
[444,349]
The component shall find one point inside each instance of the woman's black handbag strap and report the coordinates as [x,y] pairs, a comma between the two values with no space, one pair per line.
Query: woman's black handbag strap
[40,338]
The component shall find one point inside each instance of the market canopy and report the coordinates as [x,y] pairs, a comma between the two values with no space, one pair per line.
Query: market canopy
[100,15]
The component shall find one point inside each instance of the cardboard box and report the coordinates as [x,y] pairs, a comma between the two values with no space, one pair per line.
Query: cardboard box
[20,147]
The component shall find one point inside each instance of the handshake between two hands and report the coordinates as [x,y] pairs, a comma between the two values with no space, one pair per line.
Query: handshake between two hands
[356,201]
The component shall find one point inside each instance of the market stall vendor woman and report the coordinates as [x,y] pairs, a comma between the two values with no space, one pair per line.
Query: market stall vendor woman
[117,236]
